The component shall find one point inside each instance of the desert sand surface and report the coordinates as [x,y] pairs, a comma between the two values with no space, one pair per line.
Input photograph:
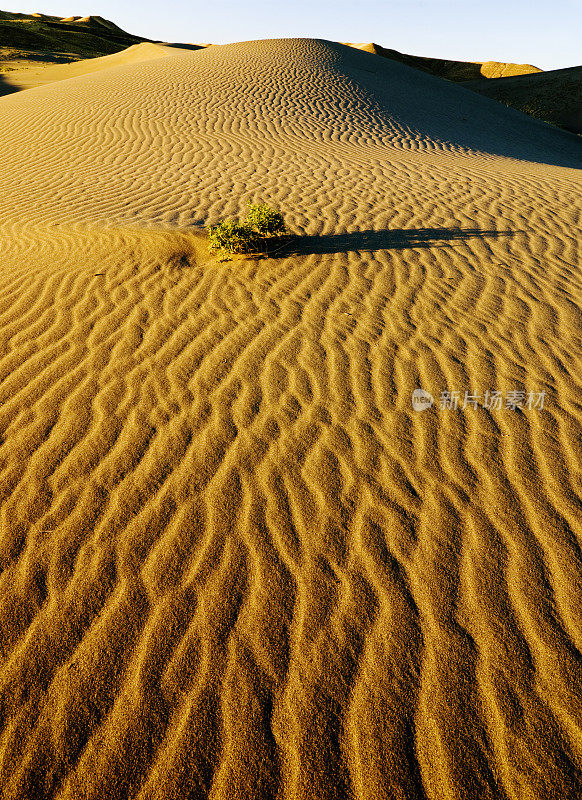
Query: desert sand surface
[236,562]
[499,69]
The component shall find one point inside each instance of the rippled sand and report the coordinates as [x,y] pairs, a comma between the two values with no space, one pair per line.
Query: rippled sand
[236,563]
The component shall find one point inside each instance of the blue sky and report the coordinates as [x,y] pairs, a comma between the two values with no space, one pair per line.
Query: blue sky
[545,33]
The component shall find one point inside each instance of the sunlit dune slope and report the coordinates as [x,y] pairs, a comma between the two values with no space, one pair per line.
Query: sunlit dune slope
[234,561]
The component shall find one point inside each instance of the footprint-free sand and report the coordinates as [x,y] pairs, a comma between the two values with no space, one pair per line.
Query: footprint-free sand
[236,562]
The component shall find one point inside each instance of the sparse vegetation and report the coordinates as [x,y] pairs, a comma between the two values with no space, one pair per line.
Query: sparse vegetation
[249,235]
[264,220]
[231,237]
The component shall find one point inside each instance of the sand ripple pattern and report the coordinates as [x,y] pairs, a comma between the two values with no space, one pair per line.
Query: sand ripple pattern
[189,138]
[235,563]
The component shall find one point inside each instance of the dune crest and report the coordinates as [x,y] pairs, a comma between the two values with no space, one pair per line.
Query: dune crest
[235,561]
[497,69]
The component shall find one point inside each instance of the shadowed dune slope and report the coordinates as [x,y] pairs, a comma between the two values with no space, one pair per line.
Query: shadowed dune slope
[554,96]
[235,562]
[37,41]
[451,70]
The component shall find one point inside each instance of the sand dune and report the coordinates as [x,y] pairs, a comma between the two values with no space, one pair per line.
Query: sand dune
[499,69]
[236,563]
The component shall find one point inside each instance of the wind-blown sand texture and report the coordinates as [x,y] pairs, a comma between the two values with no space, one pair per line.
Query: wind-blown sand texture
[235,562]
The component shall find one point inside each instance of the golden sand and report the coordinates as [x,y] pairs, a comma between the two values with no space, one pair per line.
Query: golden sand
[236,563]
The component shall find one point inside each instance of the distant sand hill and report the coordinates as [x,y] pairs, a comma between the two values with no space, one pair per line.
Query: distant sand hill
[451,70]
[32,76]
[554,96]
[234,561]
[35,48]
[27,35]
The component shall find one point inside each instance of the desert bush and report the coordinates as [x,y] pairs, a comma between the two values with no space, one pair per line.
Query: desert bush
[249,235]
[231,237]
[264,220]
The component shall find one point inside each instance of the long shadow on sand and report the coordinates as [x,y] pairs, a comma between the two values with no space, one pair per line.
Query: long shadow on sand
[397,239]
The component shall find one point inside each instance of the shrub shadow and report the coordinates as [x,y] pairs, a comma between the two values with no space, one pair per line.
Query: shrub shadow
[397,239]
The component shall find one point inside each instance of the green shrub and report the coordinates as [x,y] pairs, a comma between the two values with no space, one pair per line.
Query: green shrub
[234,236]
[231,237]
[264,220]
